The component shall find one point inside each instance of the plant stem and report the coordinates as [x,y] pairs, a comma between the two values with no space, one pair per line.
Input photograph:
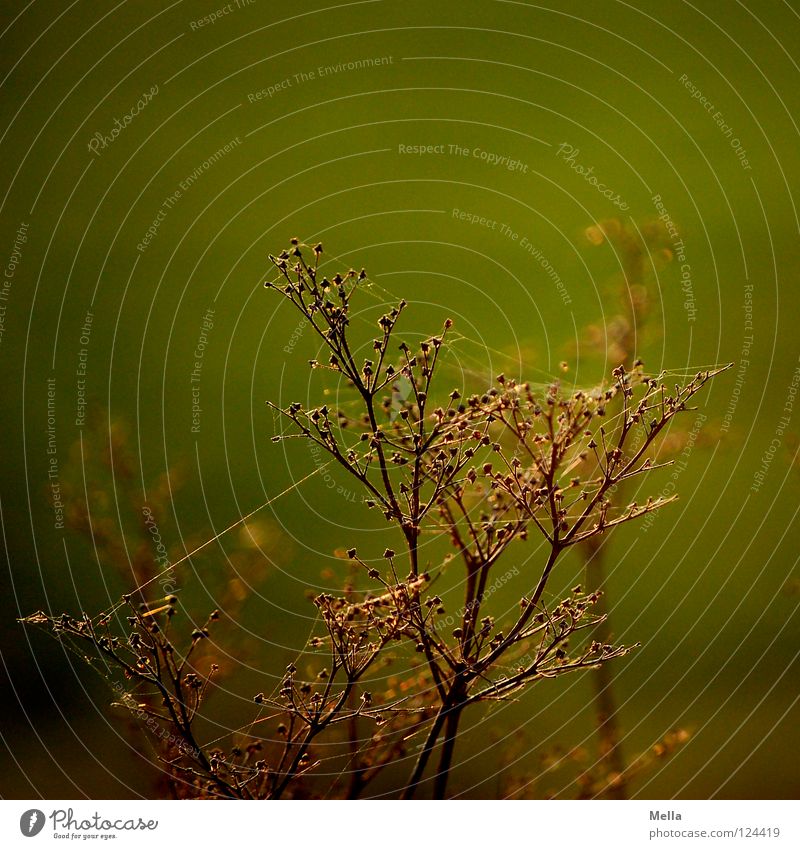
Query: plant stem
[425,754]
[608,730]
[449,714]
[446,759]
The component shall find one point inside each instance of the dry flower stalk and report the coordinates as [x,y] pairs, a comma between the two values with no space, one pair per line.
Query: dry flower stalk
[482,471]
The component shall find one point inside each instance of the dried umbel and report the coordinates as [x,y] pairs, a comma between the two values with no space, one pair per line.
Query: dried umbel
[482,472]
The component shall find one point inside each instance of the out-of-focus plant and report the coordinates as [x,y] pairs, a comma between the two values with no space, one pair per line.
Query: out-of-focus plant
[481,471]
[559,768]
[630,303]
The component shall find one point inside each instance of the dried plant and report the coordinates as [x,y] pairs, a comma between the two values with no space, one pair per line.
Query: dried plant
[640,249]
[556,769]
[482,472]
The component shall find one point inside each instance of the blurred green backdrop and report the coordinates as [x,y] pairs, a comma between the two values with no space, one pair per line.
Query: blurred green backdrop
[278,119]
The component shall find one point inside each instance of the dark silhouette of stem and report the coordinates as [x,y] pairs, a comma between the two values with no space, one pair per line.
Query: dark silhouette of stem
[424,756]
[446,759]
[602,677]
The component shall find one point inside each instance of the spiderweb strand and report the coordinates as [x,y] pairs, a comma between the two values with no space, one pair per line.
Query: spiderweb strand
[224,531]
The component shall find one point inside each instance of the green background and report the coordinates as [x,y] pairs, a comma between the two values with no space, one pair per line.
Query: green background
[711,590]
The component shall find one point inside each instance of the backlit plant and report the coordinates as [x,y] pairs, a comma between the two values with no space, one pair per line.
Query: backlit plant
[485,471]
